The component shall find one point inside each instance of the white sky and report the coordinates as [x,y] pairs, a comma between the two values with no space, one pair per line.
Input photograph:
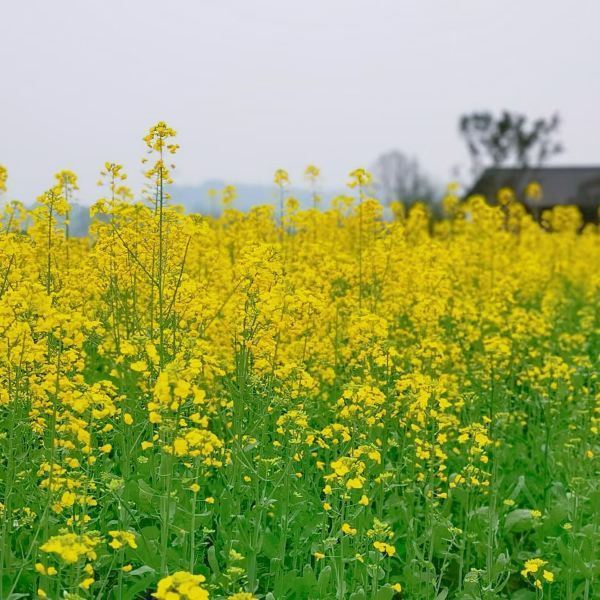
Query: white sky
[253,85]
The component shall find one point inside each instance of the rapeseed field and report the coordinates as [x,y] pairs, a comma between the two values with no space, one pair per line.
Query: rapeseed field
[335,402]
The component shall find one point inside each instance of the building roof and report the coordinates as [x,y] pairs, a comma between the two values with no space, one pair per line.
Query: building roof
[560,185]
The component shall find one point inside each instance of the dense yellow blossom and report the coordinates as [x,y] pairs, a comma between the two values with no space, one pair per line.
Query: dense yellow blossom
[181,586]
[71,547]
[351,401]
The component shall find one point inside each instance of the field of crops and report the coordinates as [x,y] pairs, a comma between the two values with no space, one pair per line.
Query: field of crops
[296,403]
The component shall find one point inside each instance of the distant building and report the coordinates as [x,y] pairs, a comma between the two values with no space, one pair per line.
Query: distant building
[579,186]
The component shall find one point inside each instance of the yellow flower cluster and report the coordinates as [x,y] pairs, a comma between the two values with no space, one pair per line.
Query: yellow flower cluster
[181,586]
[3,178]
[534,568]
[355,394]
[121,539]
[71,547]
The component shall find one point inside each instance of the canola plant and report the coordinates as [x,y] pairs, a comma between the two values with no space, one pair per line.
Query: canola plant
[291,403]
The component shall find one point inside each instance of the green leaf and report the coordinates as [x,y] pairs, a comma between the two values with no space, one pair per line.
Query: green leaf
[141,571]
[442,595]
[519,520]
[323,581]
[309,576]
[211,556]
[384,593]
[523,595]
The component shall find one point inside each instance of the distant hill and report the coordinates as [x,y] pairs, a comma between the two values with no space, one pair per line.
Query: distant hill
[196,198]
[80,220]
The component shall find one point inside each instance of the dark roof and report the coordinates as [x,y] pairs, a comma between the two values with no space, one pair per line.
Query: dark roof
[560,185]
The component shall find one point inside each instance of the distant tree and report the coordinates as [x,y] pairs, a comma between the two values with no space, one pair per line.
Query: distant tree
[399,177]
[509,140]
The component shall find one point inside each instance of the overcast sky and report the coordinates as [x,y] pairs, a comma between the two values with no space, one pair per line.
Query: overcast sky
[253,85]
